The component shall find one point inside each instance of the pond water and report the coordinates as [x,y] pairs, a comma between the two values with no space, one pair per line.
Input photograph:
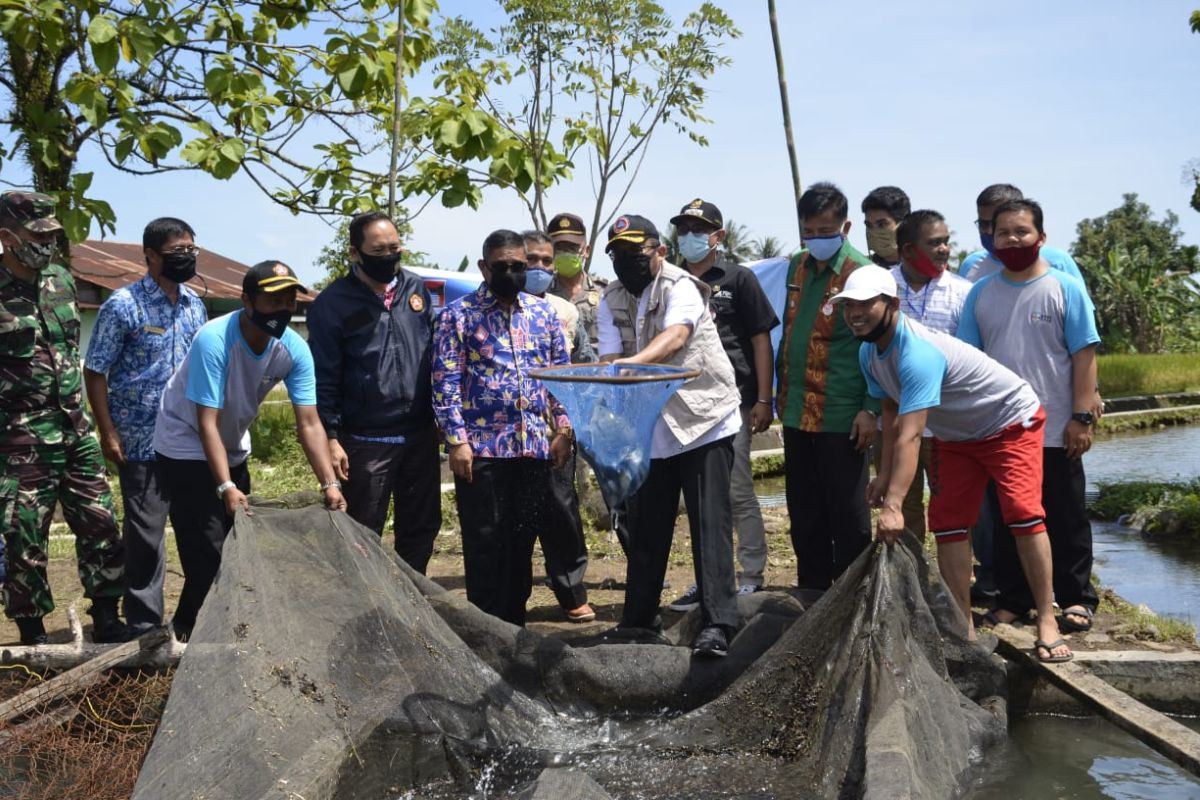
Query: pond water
[1083,758]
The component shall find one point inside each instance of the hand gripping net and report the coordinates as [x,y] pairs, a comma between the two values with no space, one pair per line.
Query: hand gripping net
[613,409]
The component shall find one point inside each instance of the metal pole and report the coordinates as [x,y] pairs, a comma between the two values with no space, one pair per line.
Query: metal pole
[397,98]
[787,115]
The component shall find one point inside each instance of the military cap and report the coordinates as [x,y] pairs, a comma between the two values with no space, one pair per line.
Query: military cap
[33,210]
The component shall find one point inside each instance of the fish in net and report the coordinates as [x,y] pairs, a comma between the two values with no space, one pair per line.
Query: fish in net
[613,410]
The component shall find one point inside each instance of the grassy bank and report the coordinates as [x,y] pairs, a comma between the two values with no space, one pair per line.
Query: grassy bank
[1156,508]
[1125,375]
[1147,420]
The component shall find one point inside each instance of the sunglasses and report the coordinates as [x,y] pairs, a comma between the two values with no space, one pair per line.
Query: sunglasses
[507,266]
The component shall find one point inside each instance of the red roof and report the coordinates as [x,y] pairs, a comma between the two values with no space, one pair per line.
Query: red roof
[111,265]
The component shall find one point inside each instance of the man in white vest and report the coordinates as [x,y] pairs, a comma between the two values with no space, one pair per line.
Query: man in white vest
[656,313]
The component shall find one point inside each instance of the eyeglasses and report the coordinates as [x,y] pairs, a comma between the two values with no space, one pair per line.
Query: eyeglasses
[182,250]
[646,248]
[984,225]
[507,266]
[533,261]
[694,226]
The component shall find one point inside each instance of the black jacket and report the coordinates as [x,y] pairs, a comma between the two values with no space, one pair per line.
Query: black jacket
[372,363]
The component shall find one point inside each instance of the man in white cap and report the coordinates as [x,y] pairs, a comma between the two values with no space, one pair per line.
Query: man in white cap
[986,422]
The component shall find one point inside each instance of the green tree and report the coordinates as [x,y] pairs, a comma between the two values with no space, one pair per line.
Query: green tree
[227,87]
[1137,271]
[1194,167]
[574,81]
[334,258]
[768,247]
[738,242]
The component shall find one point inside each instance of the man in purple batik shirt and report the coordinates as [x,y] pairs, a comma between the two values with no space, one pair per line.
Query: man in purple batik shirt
[502,428]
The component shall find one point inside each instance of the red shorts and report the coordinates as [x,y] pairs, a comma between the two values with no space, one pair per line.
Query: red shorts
[959,472]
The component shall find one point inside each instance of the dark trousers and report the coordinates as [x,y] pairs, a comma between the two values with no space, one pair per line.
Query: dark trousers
[561,535]
[500,512]
[1063,483]
[825,480]
[983,539]
[201,525]
[410,473]
[703,476]
[146,508]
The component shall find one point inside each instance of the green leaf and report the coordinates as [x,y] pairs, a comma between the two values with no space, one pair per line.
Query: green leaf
[101,30]
[453,133]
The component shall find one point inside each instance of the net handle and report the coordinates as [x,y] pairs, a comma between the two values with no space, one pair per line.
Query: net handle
[551,374]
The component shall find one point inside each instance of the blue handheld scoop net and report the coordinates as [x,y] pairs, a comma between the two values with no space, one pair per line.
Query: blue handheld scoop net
[613,409]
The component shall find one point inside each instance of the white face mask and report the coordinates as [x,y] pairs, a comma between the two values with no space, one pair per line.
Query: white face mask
[694,247]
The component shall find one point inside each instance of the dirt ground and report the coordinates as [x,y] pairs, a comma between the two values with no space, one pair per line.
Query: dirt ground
[605,583]
[605,579]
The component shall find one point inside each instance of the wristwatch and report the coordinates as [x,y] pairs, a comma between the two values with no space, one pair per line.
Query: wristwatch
[333,484]
[225,487]
[1084,417]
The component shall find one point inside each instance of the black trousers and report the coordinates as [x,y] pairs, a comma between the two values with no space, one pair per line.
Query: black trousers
[825,481]
[1063,483]
[703,476]
[409,473]
[563,545]
[500,512]
[146,508]
[201,525]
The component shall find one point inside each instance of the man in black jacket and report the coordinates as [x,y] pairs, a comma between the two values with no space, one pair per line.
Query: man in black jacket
[370,333]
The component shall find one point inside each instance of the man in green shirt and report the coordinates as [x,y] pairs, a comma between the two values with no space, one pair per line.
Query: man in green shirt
[828,417]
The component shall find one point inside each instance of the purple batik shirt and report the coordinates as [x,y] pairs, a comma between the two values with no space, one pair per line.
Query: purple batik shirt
[483,393]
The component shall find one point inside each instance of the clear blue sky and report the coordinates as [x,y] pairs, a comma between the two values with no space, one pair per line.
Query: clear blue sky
[1075,102]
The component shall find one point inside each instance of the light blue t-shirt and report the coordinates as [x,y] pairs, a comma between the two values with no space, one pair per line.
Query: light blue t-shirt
[1033,328]
[968,395]
[980,264]
[221,371]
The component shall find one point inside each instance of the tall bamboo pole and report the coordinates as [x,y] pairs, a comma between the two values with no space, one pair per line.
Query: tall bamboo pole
[397,98]
[783,101]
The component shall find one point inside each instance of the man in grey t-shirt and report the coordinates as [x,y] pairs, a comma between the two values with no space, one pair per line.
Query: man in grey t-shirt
[1040,323]
[986,423]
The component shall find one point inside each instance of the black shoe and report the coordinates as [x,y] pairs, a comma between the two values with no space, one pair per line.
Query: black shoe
[33,631]
[107,627]
[711,643]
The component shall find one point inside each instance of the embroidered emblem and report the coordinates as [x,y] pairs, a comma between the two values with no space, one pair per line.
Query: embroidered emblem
[416,303]
[280,269]
[621,225]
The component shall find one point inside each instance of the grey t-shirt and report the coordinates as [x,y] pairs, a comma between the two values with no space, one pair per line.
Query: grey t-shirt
[1034,328]
[968,395]
[221,371]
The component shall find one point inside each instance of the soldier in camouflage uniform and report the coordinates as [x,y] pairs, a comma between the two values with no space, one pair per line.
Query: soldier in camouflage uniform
[47,452]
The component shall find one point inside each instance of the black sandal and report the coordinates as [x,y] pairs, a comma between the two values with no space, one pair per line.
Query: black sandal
[1065,624]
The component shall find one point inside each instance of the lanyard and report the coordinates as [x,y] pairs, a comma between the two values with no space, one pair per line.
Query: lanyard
[908,294]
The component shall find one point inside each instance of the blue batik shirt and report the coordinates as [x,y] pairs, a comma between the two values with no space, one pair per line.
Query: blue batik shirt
[140,338]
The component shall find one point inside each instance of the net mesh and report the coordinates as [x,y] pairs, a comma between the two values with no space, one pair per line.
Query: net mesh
[613,409]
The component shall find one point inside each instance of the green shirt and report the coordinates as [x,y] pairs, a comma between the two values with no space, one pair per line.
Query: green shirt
[821,386]
[41,401]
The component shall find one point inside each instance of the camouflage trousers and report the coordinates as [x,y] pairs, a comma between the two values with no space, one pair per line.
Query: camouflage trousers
[32,481]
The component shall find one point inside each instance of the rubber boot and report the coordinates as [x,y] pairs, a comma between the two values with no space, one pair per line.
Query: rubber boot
[33,631]
[107,627]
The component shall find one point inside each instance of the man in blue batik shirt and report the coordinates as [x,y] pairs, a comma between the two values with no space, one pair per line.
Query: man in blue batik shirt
[142,334]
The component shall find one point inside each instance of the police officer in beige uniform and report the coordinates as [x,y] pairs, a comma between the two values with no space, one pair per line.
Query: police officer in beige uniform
[658,313]
[571,281]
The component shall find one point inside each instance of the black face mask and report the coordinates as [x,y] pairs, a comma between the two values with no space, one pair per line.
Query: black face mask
[633,271]
[275,323]
[876,333]
[505,283]
[178,267]
[380,269]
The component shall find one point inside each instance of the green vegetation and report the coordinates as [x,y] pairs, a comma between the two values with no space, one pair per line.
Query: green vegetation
[1124,375]
[1166,509]
[1146,420]
[1139,622]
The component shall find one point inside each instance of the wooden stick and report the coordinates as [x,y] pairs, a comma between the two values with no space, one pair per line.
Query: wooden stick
[1175,741]
[79,677]
[59,657]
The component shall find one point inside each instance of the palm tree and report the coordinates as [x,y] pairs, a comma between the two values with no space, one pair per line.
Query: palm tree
[738,242]
[769,247]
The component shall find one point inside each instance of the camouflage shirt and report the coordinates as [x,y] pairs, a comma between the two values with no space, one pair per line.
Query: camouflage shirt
[40,397]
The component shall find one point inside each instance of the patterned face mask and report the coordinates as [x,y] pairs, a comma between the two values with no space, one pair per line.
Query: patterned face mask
[35,255]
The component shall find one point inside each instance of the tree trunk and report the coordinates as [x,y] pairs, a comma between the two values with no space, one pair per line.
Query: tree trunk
[787,114]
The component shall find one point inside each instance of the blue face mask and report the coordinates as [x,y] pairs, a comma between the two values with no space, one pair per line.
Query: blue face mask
[694,247]
[537,281]
[824,248]
[988,242]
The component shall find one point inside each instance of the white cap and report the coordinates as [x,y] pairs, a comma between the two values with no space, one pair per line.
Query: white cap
[865,283]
